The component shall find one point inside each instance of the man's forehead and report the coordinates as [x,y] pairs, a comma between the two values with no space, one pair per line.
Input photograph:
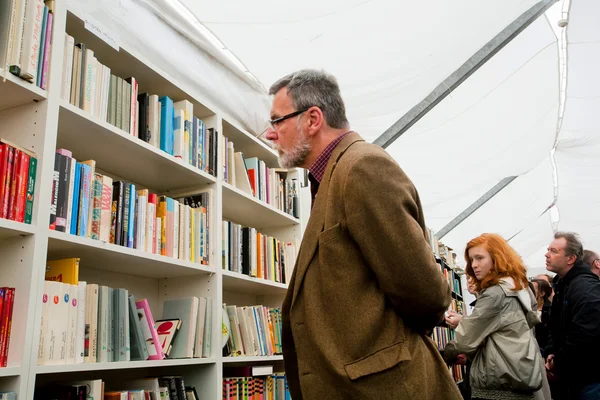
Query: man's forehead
[281,102]
[558,244]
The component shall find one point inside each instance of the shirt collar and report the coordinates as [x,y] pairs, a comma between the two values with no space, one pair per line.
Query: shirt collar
[317,169]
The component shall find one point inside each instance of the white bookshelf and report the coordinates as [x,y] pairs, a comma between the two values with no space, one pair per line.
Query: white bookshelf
[15,92]
[42,121]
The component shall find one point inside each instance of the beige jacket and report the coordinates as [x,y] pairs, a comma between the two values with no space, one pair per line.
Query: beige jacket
[498,338]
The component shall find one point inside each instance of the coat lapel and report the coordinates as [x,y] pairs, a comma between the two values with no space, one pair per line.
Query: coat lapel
[317,216]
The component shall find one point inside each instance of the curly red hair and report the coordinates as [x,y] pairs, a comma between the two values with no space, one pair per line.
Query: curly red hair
[507,262]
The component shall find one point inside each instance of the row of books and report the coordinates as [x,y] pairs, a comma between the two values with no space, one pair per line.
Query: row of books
[160,388]
[251,175]
[249,252]
[252,331]
[271,387]
[453,280]
[7,302]
[18,167]
[86,203]
[165,124]
[26,39]
[91,323]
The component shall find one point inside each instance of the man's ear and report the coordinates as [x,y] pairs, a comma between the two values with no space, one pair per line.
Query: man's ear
[316,120]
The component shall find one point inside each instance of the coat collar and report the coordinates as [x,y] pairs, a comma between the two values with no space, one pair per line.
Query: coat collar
[317,216]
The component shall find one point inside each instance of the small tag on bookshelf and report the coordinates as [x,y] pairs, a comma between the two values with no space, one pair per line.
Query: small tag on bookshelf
[108,36]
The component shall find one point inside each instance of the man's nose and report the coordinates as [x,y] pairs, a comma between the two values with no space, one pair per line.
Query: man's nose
[271,134]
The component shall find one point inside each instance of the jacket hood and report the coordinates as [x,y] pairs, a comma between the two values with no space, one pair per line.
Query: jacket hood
[580,268]
[525,297]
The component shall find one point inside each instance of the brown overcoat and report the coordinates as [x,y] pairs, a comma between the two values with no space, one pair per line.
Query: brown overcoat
[365,288]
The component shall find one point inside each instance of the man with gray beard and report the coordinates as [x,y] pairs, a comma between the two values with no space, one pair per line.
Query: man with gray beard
[366,288]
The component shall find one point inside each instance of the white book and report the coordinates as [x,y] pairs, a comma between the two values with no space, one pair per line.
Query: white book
[34,15]
[73,306]
[91,322]
[186,125]
[14,57]
[157,233]
[67,75]
[99,82]
[89,81]
[103,325]
[249,318]
[141,222]
[178,133]
[58,312]
[81,309]
[150,226]
[206,345]
[153,116]
[105,93]
[44,335]
[106,210]
[176,233]
[182,231]
[200,327]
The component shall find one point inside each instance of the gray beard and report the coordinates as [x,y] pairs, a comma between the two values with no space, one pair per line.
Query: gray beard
[296,156]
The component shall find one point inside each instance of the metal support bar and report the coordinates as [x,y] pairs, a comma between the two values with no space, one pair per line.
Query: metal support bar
[475,206]
[463,72]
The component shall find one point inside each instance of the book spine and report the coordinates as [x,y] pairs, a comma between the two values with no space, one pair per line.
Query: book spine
[47,49]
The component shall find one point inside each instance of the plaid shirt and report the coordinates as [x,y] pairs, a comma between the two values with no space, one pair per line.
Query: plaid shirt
[317,169]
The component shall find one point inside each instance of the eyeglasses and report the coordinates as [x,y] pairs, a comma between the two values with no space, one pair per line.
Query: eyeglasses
[275,121]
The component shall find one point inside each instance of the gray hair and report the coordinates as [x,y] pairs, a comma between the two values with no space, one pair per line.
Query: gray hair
[574,246]
[590,256]
[309,87]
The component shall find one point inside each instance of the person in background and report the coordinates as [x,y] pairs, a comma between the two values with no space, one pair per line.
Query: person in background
[366,288]
[548,278]
[543,292]
[574,341]
[592,259]
[498,336]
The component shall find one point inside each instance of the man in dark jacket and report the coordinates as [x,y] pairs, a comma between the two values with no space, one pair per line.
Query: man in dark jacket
[574,341]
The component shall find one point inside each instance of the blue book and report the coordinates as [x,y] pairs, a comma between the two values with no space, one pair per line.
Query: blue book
[75,204]
[84,202]
[131,225]
[167,116]
[202,149]
[194,141]
[40,68]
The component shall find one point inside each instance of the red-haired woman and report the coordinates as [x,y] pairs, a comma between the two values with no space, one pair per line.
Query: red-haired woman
[498,335]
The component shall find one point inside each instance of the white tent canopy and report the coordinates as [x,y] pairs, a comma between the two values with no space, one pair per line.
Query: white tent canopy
[388,56]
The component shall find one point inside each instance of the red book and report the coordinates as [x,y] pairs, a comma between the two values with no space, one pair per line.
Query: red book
[7,180]
[22,180]
[3,161]
[8,321]
[13,185]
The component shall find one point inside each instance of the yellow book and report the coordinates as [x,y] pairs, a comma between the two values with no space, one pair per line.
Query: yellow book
[65,271]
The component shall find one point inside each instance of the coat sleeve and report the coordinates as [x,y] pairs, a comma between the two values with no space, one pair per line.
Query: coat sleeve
[385,219]
[485,320]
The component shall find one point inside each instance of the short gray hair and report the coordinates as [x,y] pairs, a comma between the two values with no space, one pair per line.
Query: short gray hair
[309,87]
[574,246]
[590,256]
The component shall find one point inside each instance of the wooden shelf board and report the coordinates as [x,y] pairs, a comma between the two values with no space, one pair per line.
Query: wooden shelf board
[10,228]
[110,257]
[251,359]
[244,209]
[15,92]
[122,154]
[240,283]
[59,369]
